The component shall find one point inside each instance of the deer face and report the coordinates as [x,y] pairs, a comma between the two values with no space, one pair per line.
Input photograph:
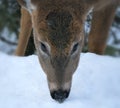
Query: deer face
[58,36]
[58,40]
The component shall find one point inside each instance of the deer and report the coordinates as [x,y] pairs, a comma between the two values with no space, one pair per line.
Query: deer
[58,28]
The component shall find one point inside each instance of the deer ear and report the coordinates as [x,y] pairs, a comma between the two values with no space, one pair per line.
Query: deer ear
[27,4]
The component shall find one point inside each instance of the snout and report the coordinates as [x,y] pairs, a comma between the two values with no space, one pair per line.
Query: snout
[60,95]
[59,91]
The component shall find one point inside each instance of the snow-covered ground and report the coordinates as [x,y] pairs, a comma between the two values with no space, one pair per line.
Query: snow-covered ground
[96,83]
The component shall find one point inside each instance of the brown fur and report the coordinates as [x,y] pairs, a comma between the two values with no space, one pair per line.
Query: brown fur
[101,23]
[59,34]
[100,6]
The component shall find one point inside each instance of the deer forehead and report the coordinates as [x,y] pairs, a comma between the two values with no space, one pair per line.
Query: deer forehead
[59,28]
[55,27]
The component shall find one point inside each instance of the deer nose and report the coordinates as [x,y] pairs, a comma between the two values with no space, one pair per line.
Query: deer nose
[60,95]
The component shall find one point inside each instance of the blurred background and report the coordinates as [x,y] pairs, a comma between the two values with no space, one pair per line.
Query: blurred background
[10,27]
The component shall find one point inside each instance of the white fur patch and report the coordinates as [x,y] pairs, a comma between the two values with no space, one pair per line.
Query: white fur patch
[30,6]
[53,86]
[65,86]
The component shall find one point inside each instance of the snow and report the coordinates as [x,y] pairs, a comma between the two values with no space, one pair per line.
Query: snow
[96,83]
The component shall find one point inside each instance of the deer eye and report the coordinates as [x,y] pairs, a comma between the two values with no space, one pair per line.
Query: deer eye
[44,48]
[75,47]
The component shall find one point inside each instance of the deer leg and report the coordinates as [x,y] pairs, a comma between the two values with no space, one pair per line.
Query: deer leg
[101,23]
[25,31]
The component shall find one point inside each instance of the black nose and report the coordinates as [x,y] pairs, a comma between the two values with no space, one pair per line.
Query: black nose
[60,95]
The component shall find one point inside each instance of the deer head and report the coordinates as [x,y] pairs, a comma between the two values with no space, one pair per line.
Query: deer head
[58,27]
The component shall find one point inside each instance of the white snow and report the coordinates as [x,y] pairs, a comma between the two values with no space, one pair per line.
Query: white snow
[96,83]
